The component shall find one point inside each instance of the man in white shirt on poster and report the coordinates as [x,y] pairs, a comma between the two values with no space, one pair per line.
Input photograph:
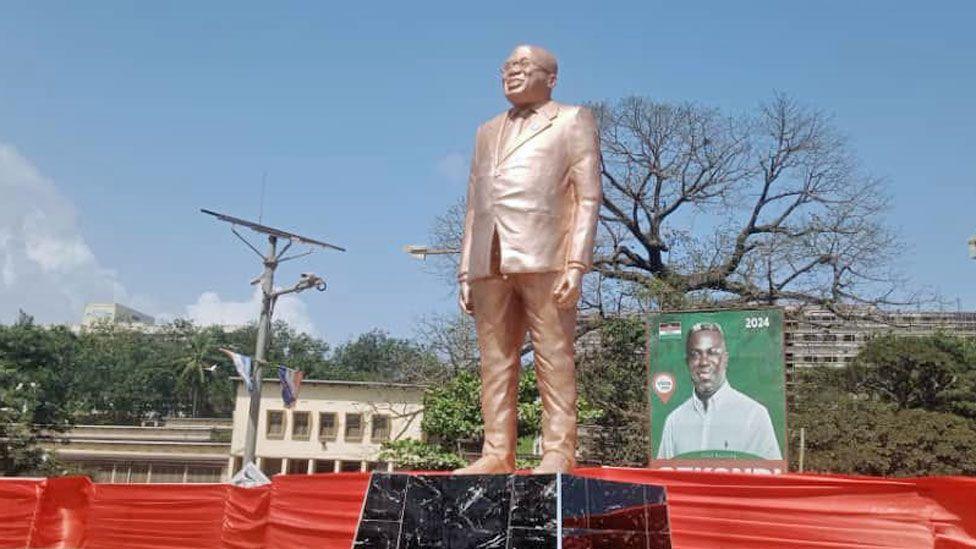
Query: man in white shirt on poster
[716,416]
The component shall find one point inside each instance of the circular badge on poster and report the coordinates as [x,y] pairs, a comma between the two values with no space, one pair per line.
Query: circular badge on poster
[663,384]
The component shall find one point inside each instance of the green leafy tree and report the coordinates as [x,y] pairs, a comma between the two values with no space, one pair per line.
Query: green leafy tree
[376,356]
[913,372]
[900,410]
[414,455]
[126,376]
[287,347]
[612,371]
[452,410]
[846,434]
[34,364]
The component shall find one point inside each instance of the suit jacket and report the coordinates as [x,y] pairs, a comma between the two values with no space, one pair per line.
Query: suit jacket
[541,196]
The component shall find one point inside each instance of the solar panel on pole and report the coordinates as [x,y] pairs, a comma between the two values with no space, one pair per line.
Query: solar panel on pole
[271,260]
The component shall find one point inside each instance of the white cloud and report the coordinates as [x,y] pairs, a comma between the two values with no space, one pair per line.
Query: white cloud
[211,309]
[453,167]
[46,266]
[48,269]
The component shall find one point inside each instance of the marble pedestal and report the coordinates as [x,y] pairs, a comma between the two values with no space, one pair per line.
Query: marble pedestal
[511,512]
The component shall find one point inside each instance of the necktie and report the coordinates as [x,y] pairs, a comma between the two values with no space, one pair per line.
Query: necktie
[516,125]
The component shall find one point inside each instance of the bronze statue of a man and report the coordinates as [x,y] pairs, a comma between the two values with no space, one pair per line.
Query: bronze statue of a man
[533,199]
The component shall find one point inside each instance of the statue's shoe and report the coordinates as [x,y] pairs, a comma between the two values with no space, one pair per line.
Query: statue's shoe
[554,462]
[487,465]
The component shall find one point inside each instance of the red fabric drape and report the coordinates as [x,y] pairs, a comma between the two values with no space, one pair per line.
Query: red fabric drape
[19,501]
[706,510]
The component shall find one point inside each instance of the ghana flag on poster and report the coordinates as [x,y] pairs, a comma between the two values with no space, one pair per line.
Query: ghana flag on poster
[717,390]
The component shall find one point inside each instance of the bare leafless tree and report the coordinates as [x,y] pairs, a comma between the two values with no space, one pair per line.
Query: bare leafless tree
[451,337]
[701,208]
[445,234]
[769,208]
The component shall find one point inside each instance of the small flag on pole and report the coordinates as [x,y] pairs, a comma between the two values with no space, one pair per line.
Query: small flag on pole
[291,381]
[242,363]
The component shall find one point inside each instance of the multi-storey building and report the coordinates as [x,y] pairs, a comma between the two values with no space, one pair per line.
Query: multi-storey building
[181,450]
[114,313]
[817,337]
[334,426]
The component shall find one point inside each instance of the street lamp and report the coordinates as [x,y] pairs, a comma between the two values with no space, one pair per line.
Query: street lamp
[421,252]
[972,247]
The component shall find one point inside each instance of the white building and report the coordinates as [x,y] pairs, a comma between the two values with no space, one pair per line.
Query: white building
[334,426]
[114,313]
[182,450]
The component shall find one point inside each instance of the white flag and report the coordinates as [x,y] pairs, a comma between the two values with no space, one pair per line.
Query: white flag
[242,363]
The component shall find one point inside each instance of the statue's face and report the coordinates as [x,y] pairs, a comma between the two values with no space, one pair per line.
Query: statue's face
[707,361]
[524,80]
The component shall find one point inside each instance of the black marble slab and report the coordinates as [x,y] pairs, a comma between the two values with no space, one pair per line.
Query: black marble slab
[510,512]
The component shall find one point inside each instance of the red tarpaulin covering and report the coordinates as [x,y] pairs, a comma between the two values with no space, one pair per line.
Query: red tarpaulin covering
[707,510]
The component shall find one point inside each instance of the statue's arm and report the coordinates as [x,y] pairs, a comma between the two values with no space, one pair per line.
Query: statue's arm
[469,214]
[465,292]
[585,178]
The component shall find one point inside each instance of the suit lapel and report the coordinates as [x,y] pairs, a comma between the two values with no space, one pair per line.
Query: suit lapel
[540,122]
[502,125]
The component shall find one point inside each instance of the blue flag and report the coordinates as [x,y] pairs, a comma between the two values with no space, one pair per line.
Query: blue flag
[291,381]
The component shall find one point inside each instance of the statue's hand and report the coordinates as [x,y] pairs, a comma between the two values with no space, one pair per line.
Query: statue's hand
[464,298]
[567,290]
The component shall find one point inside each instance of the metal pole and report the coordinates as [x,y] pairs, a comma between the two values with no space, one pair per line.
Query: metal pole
[261,349]
[803,445]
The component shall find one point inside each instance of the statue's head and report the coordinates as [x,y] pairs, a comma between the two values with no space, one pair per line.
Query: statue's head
[529,75]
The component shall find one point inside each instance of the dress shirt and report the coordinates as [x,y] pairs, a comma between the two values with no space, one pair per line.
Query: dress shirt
[732,421]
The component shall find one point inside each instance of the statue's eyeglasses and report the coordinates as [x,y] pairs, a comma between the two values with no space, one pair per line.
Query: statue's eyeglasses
[523,65]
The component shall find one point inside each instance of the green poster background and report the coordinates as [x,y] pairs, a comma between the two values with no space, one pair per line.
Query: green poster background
[756,364]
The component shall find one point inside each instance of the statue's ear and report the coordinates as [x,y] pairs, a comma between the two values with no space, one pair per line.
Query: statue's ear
[552,81]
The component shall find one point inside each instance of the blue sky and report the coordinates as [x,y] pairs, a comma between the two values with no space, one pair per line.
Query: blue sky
[118,120]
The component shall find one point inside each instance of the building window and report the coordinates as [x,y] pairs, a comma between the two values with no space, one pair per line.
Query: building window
[325,466]
[381,428]
[204,473]
[297,466]
[300,429]
[350,466]
[354,427]
[168,473]
[270,466]
[102,472]
[377,466]
[138,473]
[276,424]
[327,426]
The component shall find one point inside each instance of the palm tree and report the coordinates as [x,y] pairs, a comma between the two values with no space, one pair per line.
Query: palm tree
[199,350]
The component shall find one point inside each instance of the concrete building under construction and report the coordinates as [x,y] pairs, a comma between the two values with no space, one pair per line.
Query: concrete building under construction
[817,337]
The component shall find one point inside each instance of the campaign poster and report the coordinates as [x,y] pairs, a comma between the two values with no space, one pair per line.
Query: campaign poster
[717,390]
